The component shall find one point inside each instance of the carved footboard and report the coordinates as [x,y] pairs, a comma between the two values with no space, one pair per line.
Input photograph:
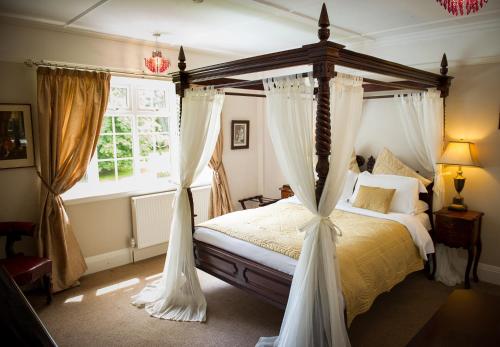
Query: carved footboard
[267,283]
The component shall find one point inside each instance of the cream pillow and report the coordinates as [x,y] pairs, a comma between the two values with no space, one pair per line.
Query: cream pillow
[374,198]
[388,164]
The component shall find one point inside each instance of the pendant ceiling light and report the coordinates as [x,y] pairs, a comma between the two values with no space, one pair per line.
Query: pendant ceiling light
[461,7]
[156,63]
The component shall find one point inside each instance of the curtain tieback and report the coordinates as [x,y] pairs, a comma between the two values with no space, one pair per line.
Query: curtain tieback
[46,184]
[177,193]
[335,230]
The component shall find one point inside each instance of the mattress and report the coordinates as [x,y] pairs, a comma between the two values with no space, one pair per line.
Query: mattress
[259,254]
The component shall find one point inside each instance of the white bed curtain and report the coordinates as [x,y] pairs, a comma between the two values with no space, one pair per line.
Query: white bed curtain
[422,119]
[314,313]
[177,295]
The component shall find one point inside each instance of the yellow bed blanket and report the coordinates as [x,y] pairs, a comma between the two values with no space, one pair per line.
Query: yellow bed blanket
[374,254]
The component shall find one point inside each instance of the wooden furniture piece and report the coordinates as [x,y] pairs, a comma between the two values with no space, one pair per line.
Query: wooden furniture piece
[286,191]
[261,200]
[468,318]
[25,269]
[267,283]
[19,323]
[461,229]
[323,56]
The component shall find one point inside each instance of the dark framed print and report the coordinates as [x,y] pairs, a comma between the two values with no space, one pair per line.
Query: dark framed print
[16,136]
[240,134]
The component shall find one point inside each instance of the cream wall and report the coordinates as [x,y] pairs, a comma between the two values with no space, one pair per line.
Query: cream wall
[473,113]
[105,225]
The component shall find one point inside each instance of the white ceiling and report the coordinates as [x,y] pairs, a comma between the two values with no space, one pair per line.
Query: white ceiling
[245,27]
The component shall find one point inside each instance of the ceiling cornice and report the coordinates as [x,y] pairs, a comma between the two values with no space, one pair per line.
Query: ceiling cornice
[60,27]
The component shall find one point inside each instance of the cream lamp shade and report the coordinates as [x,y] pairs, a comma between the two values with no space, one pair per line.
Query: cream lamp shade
[459,153]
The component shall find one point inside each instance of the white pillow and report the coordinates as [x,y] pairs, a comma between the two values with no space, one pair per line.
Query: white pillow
[350,182]
[406,197]
[421,207]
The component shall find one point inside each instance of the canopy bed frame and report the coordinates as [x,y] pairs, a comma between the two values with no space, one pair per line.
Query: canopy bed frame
[267,283]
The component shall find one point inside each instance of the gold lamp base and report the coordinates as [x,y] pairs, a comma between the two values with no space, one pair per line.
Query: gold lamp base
[458,201]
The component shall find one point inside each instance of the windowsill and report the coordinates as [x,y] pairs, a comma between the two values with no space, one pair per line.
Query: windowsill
[84,193]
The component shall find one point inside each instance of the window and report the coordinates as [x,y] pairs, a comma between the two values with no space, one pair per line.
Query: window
[133,150]
[134,139]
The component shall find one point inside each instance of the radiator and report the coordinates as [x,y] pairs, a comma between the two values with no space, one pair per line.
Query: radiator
[152,215]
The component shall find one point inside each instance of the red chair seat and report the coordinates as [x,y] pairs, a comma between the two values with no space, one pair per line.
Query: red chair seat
[27,269]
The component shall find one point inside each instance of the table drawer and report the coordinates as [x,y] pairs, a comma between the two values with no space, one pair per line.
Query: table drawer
[454,232]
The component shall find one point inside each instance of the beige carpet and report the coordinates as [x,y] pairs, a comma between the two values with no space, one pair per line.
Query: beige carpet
[99,313]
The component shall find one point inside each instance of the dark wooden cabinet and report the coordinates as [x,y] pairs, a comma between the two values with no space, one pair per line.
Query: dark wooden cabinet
[461,229]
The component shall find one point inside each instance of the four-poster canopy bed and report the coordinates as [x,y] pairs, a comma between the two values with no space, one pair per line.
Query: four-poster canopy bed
[267,283]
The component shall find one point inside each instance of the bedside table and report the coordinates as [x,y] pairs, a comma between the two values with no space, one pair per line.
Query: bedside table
[461,229]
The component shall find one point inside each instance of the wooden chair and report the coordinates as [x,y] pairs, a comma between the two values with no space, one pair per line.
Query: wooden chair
[25,269]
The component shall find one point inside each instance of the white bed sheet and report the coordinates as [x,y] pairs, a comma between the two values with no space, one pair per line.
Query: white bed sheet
[280,261]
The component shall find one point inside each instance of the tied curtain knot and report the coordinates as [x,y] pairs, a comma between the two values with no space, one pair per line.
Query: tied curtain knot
[46,184]
[334,229]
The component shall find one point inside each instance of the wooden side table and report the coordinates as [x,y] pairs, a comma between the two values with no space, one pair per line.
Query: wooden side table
[461,229]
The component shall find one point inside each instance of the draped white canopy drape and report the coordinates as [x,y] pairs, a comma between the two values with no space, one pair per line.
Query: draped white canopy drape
[177,295]
[314,313]
[422,120]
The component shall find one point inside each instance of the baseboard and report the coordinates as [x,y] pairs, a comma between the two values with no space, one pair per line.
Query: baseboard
[489,273]
[108,260]
[148,252]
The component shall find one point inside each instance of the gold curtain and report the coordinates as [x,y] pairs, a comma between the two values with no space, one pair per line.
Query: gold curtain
[220,199]
[71,106]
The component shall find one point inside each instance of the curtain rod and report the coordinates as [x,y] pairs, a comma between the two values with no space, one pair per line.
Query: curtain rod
[119,72]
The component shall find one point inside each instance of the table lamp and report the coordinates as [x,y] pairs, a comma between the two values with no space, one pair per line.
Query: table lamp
[459,153]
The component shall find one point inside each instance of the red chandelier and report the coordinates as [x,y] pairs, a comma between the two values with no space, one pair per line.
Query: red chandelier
[456,7]
[156,63]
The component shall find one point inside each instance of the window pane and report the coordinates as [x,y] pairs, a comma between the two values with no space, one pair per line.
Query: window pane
[151,99]
[123,124]
[162,145]
[144,166]
[146,145]
[105,147]
[118,98]
[106,170]
[123,146]
[107,125]
[163,168]
[125,168]
[162,124]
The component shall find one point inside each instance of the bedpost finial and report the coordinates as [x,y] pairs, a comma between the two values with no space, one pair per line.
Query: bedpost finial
[444,65]
[182,60]
[324,24]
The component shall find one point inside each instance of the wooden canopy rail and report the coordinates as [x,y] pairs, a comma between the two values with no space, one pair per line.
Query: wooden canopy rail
[323,56]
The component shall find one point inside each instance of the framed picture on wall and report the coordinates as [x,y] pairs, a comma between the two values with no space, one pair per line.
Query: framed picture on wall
[240,134]
[16,136]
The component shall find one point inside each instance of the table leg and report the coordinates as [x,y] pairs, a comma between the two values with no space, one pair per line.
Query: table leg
[479,247]
[470,252]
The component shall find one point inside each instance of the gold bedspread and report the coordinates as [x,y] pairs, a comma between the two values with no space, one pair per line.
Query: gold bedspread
[374,254]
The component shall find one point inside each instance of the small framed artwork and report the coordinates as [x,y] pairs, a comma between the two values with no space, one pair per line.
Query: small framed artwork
[240,134]
[16,136]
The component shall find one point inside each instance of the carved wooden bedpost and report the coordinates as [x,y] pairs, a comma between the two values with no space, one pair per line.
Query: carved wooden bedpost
[181,83]
[323,72]
[444,87]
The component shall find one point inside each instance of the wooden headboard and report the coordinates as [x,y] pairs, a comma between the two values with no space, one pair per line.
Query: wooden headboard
[427,197]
